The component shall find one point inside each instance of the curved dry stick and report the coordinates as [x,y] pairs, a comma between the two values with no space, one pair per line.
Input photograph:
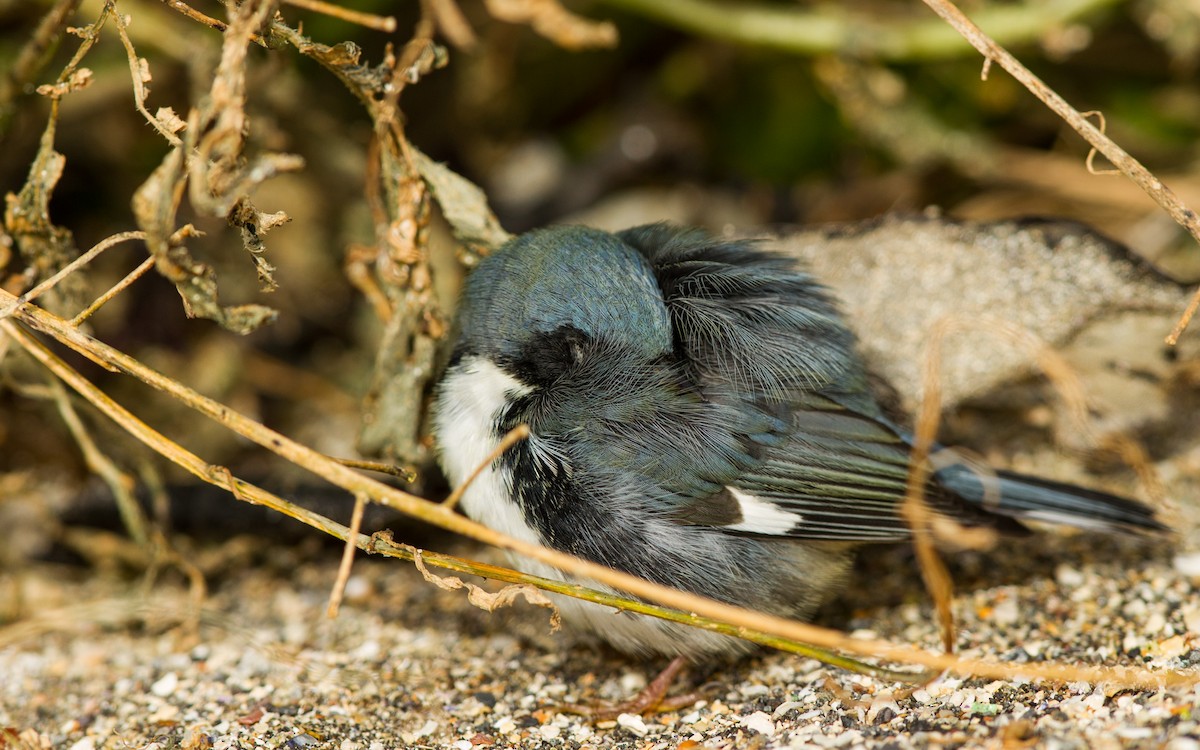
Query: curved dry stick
[369,20]
[1129,166]
[71,268]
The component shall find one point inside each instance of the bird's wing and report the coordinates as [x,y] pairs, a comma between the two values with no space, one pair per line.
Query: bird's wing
[749,324]
[838,475]
[759,336]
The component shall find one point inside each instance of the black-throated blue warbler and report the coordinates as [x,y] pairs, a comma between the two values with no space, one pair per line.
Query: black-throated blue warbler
[699,416]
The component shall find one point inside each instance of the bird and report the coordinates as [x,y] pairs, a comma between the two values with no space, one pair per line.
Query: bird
[700,416]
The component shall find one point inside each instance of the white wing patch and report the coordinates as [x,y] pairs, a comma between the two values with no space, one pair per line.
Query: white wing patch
[762,516]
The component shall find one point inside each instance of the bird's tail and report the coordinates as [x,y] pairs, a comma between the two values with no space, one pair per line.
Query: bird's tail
[1033,499]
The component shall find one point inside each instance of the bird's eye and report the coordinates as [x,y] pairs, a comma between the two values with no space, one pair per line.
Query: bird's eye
[550,355]
[566,346]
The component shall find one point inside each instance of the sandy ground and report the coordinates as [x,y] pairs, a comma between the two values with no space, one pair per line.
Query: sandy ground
[101,660]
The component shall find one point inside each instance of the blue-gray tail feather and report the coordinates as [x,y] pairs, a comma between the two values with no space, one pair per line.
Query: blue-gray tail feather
[1030,498]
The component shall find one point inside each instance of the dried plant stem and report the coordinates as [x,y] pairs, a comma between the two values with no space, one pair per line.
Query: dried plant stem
[515,435]
[369,20]
[739,618]
[1129,166]
[37,50]
[1185,319]
[139,76]
[1134,455]
[195,15]
[343,574]
[916,511]
[452,23]
[34,55]
[209,21]
[921,519]
[116,289]
[119,483]
[403,473]
[71,268]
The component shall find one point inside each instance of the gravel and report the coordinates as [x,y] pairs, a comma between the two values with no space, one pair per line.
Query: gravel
[101,661]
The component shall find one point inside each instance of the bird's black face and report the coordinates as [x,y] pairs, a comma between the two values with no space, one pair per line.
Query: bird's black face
[546,357]
[532,369]
[533,366]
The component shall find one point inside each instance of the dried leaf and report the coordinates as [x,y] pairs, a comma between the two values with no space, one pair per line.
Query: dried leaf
[155,201]
[463,204]
[197,286]
[46,248]
[219,178]
[169,120]
[393,412]
[78,79]
[253,224]
[154,207]
[487,600]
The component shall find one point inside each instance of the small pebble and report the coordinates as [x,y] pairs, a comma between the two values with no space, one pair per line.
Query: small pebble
[426,729]
[165,685]
[357,588]
[634,724]
[759,722]
[1067,576]
[632,682]
[1188,564]
[1006,612]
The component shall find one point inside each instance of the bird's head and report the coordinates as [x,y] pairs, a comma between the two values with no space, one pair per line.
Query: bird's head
[543,295]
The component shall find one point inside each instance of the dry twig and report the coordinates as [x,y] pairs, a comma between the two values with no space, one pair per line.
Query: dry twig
[343,574]
[369,20]
[1129,166]
[34,56]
